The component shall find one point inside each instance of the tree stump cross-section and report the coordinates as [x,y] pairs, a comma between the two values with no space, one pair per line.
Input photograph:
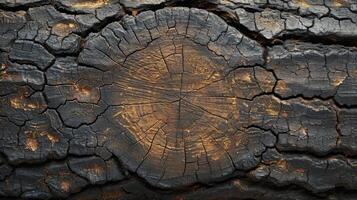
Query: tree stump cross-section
[176,99]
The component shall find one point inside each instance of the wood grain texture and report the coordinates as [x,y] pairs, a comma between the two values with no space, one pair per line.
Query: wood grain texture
[107,99]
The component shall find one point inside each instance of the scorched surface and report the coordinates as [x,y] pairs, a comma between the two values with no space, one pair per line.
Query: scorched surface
[107,99]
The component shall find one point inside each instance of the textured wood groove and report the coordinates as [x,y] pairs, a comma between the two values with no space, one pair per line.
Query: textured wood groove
[166,99]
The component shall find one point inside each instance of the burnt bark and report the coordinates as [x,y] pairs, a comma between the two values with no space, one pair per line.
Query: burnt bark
[176,99]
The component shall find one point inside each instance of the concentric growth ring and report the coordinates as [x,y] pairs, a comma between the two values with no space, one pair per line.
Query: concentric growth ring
[175,95]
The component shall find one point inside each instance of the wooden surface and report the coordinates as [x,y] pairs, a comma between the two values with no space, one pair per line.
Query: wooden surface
[211,99]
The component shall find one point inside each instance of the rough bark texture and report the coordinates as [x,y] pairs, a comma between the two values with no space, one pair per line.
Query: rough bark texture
[176,99]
